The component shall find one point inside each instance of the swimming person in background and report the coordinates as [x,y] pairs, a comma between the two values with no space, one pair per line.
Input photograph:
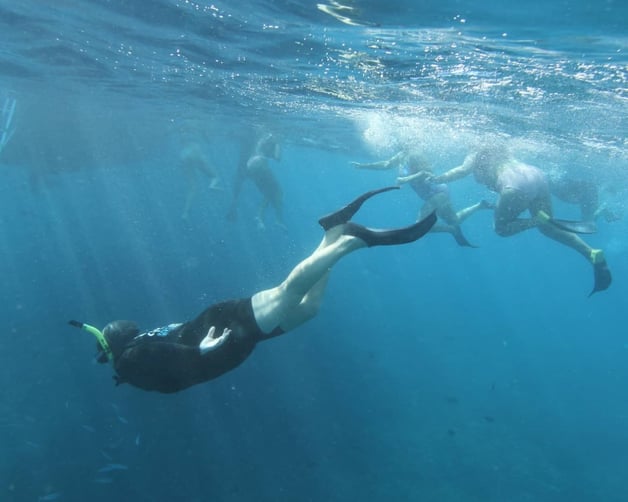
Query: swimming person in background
[522,187]
[257,169]
[177,356]
[195,164]
[412,168]
[584,194]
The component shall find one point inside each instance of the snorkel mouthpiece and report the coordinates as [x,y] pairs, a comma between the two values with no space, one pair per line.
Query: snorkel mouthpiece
[100,338]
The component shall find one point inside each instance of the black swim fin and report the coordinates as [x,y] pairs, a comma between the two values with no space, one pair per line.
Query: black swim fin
[575,227]
[602,277]
[344,214]
[390,237]
[461,239]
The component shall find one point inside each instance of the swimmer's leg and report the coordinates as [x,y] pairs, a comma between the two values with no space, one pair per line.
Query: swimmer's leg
[464,213]
[261,215]
[277,203]
[308,307]
[441,203]
[601,274]
[279,306]
[273,307]
[510,205]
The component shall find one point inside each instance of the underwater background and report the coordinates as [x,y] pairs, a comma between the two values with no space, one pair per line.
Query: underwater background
[433,372]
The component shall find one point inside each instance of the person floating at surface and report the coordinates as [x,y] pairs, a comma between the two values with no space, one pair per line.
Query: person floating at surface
[177,356]
[412,168]
[194,162]
[584,194]
[255,167]
[522,187]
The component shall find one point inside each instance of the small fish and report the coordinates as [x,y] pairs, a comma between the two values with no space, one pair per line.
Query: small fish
[49,497]
[137,440]
[103,481]
[122,420]
[113,467]
[489,419]
[106,455]
[88,428]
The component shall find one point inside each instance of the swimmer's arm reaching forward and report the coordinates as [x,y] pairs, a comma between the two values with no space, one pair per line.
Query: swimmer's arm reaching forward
[382,165]
[455,173]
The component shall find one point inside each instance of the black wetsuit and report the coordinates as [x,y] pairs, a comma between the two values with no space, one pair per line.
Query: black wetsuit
[169,359]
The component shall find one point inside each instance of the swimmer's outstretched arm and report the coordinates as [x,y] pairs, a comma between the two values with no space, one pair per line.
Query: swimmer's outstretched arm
[382,165]
[455,173]
[211,342]
[421,176]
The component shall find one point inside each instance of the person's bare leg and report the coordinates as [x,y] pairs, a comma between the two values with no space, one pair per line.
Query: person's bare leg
[276,306]
[277,204]
[541,209]
[309,306]
[567,238]
[444,210]
[510,205]
[464,213]
[260,219]
[288,304]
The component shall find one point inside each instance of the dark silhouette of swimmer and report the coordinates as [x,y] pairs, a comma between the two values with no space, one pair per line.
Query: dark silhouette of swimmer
[177,356]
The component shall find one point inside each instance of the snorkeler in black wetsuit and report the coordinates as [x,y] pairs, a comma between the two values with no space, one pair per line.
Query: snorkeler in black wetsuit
[177,356]
[173,357]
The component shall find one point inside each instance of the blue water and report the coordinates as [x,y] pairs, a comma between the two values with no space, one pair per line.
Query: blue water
[432,373]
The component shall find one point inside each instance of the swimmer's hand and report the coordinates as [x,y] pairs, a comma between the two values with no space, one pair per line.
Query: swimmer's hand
[357,165]
[210,342]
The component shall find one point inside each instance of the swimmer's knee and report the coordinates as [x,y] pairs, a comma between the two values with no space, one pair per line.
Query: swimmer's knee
[309,310]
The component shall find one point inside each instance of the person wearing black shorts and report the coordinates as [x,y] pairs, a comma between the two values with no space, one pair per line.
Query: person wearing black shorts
[177,356]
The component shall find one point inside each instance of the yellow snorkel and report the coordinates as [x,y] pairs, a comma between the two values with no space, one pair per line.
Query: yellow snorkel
[100,338]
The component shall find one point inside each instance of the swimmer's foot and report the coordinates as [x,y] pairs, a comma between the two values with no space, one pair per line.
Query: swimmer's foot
[344,214]
[404,235]
[601,273]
